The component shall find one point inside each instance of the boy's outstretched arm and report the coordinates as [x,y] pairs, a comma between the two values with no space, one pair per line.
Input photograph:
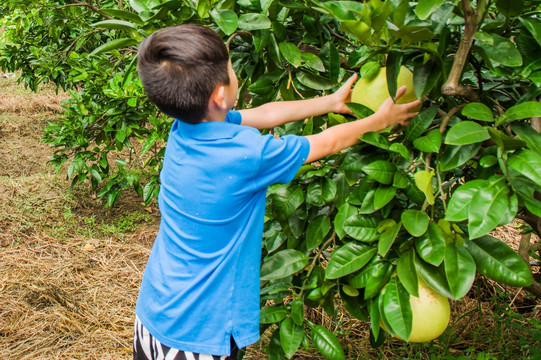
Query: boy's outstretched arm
[278,113]
[339,137]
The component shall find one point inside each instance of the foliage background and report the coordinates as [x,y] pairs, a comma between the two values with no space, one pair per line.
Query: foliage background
[360,225]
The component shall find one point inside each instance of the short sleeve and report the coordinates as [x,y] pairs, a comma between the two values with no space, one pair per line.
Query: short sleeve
[281,159]
[233,117]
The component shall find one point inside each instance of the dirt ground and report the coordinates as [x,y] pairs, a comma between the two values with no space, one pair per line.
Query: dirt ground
[70,268]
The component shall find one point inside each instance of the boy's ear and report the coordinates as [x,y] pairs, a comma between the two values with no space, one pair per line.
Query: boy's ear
[218,97]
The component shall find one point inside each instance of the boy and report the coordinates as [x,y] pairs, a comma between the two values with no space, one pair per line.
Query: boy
[199,297]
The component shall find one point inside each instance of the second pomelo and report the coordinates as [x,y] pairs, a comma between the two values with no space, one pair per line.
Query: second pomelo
[430,314]
[373,92]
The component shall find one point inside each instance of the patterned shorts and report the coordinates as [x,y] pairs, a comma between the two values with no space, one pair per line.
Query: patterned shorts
[147,347]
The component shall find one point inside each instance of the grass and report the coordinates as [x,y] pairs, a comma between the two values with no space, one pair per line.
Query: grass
[71,268]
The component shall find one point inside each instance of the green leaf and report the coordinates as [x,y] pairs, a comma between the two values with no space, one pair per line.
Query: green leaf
[286,199]
[401,149]
[272,314]
[505,142]
[265,5]
[381,171]
[426,77]
[423,180]
[282,264]
[510,7]
[297,311]
[253,21]
[362,228]
[431,246]
[528,163]
[407,274]
[459,269]
[456,155]
[345,211]
[348,258]
[426,7]
[359,110]
[415,221]
[527,134]
[430,143]
[434,276]
[412,33]
[114,45]
[394,59]
[478,111]
[490,206]
[373,277]
[421,122]
[327,344]
[524,110]
[123,14]
[331,59]
[400,180]
[534,27]
[397,309]
[497,261]
[383,195]
[355,306]
[226,19]
[375,316]
[500,50]
[149,142]
[357,28]
[535,78]
[376,139]
[316,231]
[313,61]
[291,53]
[315,82]
[291,336]
[465,133]
[387,239]
[139,5]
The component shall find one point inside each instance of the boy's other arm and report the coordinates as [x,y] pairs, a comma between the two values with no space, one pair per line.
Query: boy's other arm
[339,137]
[278,113]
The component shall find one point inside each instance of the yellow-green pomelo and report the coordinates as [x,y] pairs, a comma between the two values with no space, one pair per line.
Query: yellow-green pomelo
[373,92]
[431,314]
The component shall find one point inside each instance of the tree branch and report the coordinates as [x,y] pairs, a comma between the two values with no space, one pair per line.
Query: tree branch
[89,5]
[472,18]
[524,252]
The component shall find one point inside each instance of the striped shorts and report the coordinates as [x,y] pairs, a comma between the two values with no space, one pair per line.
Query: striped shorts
[147,347]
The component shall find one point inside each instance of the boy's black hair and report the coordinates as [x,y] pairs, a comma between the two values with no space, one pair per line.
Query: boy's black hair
[180,66]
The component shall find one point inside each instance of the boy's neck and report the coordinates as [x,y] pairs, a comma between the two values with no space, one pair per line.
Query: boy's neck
[215,115]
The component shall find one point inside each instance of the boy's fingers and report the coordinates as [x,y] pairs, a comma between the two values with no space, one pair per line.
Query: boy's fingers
[401,91]
[414,104]
[350,81]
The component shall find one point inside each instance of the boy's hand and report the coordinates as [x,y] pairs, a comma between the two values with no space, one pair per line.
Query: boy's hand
[397,114]
[342,96]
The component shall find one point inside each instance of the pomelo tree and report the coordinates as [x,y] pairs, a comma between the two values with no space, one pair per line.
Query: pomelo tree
[360,227]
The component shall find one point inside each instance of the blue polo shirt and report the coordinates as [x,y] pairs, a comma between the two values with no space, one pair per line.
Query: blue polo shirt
[201,283]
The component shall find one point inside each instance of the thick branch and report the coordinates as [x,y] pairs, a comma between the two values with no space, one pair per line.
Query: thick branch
[472,18]
[524,252]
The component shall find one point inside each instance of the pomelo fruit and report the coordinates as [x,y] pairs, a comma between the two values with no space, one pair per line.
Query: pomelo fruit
[373,92]
[430,314]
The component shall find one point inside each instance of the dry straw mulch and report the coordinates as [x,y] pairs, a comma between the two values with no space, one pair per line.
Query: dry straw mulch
[71,300]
